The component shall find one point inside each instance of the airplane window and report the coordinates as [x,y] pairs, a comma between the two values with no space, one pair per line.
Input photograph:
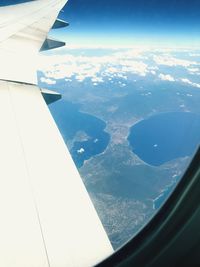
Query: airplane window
[130,114]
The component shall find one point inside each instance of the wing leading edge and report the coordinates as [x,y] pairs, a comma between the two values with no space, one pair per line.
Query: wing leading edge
[47,217]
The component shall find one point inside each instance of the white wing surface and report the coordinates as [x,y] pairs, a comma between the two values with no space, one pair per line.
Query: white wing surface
[47,217]
[23,30]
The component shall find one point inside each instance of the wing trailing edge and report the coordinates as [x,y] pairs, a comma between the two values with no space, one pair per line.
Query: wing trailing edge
[47,216]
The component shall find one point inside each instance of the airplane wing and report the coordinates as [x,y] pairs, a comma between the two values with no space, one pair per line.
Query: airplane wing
[47,217]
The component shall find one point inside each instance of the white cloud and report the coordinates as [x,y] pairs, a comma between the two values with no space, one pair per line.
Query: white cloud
[166,77]
[47,80]
[81,150]
[182,106]
[153,72]
[111,70]
[187,81]
[146,94]
[194,54]
[136,67]
[168,60]
[97,79]
[153,68]
[117,64]
[193,69]
[80,78]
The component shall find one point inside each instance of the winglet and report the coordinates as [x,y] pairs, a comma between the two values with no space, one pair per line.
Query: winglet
[51,44]
[50,96]
[60,24]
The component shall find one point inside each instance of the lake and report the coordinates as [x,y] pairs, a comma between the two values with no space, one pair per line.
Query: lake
[71,121]
[165,137]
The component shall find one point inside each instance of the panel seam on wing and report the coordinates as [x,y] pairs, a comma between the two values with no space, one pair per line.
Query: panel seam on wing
[28,173]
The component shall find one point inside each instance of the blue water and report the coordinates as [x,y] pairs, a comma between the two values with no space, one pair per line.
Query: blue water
[70,120]
[165,137]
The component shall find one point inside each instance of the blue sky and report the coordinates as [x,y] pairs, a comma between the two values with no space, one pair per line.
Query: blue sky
[130,22]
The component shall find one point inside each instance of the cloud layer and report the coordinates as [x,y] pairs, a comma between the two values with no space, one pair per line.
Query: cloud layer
[117,65]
